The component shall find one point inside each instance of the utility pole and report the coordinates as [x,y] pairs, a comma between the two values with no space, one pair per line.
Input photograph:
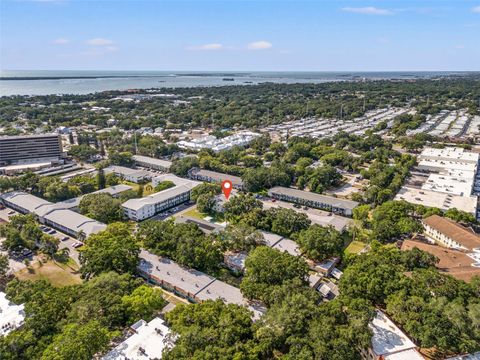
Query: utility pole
[136,147]
[341,112]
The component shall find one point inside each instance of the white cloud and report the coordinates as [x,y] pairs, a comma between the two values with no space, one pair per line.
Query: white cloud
[476,9]
[99,42]
[259,45]
[368,10]
[111,48]
[213,46]
[61,41]
[460,46]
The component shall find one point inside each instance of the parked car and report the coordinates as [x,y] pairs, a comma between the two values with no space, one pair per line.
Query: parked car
[77,244]
[11,212]
[65,238]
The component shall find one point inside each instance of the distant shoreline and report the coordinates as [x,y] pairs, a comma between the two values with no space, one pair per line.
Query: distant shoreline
[78,77]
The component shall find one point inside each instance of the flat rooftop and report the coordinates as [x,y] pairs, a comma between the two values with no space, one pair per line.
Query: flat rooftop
[387,337]
[440,200]
[449,153]
[175,179]
[307,195]
[219,177]
[447,165]
[11,315]
[153,161]
[449,184]
[147,342]
[29,136]
[136,204]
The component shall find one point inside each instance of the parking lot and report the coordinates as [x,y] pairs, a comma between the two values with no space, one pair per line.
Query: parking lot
[173,211]
[16,262]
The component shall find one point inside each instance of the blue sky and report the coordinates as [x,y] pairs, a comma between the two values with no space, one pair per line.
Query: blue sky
[240,35]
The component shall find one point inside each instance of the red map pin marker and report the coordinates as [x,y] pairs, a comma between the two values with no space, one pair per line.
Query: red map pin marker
[226,188]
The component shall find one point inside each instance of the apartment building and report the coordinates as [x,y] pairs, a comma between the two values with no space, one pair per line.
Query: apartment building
[54,215]
[133,175]
[146,207]
[152,163]
[450,234]
[215,177]
[307,198]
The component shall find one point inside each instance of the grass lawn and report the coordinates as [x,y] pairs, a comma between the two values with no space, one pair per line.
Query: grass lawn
[355,247]
[194,213]
[58,274]
[197,214]
[147,188]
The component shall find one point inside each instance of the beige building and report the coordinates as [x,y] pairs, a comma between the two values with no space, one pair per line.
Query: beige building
[448,233]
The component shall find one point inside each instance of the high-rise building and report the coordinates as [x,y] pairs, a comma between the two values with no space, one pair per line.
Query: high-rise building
[29,148]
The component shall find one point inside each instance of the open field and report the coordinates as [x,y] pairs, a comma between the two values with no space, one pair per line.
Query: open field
[56,273]
[355,247]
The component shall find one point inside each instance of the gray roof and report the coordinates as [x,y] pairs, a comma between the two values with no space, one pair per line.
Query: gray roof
[271,239]
[217,176]
[153,161]
[54,212]
[289,246]
[189,280]
[136,204]
[112,190]
[307,195]
[75,221]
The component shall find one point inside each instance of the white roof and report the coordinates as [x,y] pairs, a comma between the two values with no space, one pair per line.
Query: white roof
[148,342]
[410,354]
[11,315]
[175,179]
[289,246]
[152,161]
[136,204]
[451,153]
[387,337]
[440,200]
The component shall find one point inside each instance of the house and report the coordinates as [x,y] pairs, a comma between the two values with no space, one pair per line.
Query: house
[328,203]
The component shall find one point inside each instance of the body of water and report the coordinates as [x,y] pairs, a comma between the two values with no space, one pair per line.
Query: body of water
[84,82]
